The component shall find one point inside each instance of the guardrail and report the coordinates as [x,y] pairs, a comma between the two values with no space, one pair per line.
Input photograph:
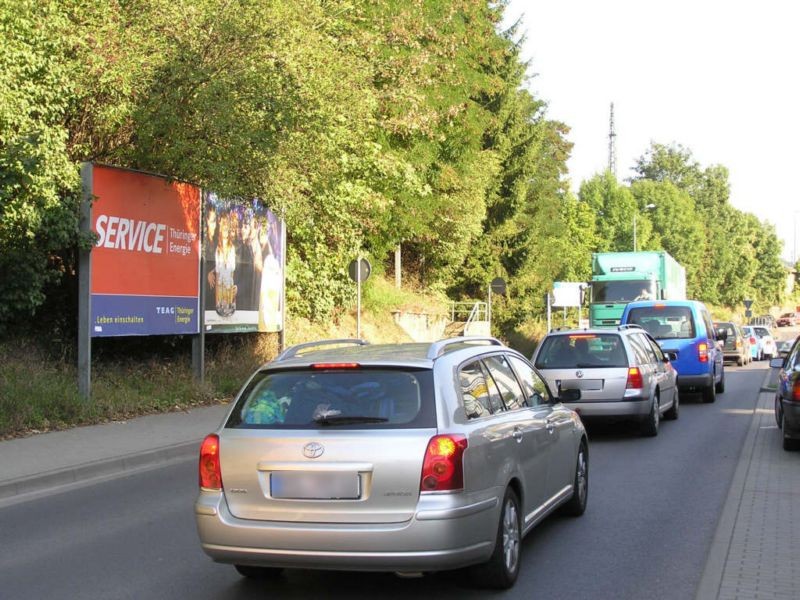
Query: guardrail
[469,311]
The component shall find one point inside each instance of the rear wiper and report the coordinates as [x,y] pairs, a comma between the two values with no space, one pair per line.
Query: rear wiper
[347,419]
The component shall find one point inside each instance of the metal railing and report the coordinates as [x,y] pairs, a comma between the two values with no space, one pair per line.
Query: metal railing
[469,311]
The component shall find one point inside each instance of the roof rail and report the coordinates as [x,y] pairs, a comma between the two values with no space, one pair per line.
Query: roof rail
[295,350]
[629,326]
[436,349]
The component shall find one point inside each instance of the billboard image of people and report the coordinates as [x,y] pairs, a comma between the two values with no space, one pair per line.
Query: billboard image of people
[243,274]
[145,264]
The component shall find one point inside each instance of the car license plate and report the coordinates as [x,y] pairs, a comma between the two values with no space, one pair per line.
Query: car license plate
[305,485]
[583,384]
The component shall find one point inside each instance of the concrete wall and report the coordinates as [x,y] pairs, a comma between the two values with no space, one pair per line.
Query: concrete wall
[421,327]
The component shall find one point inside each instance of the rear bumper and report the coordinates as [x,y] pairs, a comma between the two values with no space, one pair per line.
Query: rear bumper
[634,407]
[695,381]
[447,537]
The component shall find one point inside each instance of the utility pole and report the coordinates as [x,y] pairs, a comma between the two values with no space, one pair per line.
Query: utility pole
[612,146]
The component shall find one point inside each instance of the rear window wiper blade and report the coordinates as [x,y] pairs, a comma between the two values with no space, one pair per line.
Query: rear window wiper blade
[347,419]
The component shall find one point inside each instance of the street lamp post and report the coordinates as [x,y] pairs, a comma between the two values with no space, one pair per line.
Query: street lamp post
[647,207]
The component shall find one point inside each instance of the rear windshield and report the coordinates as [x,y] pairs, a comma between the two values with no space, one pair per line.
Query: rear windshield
[761,331]
[359,398]
[728,328]
[582,351]
[664,322]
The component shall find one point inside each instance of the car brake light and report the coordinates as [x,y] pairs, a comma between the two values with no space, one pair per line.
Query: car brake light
[210,472]
[752,341]
[635,380]
[335,366]
[702,352]
[796,390]
[443,466]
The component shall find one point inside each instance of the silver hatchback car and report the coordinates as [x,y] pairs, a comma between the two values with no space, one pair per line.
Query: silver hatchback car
[402,457]
[622,373]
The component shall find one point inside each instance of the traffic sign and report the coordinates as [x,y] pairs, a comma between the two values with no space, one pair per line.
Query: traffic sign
[498,286]
[363,274]
[748,304]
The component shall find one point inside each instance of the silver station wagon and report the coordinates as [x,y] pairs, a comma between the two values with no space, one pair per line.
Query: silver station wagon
[622,373]
[405,457]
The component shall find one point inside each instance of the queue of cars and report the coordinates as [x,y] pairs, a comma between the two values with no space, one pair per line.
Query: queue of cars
[423,457]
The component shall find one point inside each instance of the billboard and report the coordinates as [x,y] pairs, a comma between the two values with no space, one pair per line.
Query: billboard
[146,262]
[243,250]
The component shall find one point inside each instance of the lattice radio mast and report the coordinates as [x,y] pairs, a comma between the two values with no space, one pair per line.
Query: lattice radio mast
[612,146]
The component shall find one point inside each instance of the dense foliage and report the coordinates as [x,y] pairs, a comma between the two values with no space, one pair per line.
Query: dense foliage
[367,123]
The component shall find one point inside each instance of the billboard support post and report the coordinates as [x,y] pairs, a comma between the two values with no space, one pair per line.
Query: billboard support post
[84,288]
[282,334]
[199,340]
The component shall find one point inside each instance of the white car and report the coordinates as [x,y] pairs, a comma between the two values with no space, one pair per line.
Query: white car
[767,348]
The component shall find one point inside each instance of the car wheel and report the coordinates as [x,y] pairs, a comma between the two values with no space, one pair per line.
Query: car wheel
[501,570]
[740,361]
[576,505]
[258,572]
[789,444]
[650,424]
[710,393]
[719,387]
[673,413]
[778,415]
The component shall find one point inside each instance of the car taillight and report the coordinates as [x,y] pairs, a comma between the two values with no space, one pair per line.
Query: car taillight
[635,380]
[738,344]
[702,351]
[443,467]
[752,341]
[210,472]
[796,390]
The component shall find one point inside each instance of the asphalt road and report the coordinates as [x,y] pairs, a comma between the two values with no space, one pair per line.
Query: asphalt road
[653,510]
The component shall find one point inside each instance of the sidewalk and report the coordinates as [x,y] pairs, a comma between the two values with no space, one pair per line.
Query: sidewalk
[49,462]
[755,554]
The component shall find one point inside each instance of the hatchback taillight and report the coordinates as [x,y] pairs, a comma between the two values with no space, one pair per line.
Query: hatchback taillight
[702,352]
[635,380]
[210,472]
[796,390]
[752,341]
[443,466]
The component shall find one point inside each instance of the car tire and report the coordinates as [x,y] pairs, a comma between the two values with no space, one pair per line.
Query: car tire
[719,387]
[649,426]
[576,505]
[789,444]
[258,572]
[778,415]
[710,393]
[501,570]
[740,361]
[675,410]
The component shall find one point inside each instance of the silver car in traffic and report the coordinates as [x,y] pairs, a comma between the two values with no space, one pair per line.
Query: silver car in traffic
[402,457]
[622,373]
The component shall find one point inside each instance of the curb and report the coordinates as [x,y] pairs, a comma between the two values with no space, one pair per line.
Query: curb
[35,486]
[711,580]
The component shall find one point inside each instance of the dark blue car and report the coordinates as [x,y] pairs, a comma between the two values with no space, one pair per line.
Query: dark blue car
[685,329]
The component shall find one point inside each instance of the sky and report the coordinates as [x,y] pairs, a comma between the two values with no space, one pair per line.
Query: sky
[721,78]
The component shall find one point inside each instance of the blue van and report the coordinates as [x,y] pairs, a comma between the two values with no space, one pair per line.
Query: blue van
[684,328]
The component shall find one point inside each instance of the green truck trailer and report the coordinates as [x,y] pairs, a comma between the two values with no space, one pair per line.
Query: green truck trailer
[622,277]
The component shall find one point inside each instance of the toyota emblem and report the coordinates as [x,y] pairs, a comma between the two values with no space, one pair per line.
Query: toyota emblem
[579,374]
[313,450]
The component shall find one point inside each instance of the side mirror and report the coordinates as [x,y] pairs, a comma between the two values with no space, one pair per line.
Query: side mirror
[569,395]
[776,363]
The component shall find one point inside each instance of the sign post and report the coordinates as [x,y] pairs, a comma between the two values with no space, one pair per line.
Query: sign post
[359,270]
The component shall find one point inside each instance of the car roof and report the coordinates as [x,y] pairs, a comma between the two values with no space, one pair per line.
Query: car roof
[409,354]
[648,303]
